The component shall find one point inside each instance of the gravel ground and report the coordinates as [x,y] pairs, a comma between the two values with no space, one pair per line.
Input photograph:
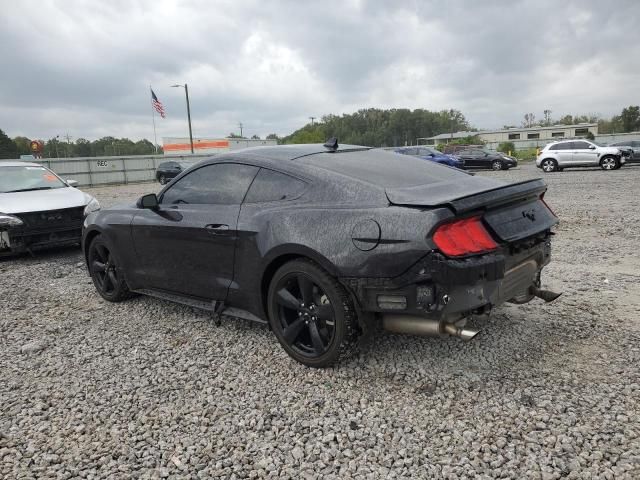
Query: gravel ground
[149,389]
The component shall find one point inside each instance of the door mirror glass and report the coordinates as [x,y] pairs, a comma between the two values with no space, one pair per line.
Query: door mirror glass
[72,183]
[149,201]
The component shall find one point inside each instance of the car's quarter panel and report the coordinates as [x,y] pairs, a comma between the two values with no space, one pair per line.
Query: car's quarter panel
[333,237]
[186,249]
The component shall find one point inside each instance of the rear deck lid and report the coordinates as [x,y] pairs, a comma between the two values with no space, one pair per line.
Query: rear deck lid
[513,211]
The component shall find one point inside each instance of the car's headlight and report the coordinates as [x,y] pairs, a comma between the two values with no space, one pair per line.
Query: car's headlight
[92,206]
[9,221]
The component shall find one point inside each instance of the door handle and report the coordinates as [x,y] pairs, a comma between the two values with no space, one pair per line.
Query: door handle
[217,228]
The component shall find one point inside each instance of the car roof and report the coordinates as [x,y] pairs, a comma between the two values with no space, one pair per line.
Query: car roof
[295,151]
[12,163]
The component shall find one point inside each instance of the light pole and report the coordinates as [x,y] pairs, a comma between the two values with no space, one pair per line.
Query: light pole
[186,92]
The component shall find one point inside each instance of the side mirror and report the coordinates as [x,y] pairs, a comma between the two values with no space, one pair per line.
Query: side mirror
[72,183]
[431,155]
[149,201]
[592,147]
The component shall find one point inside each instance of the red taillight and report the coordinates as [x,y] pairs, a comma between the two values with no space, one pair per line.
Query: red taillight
[463,237]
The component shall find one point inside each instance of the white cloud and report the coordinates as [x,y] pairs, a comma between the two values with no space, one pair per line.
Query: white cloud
[85,67]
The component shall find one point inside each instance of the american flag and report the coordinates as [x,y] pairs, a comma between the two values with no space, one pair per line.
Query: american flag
[157,104]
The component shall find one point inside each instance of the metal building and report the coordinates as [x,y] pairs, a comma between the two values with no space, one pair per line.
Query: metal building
[522,138]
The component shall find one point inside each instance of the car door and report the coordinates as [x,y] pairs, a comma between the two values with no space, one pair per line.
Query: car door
[564,153]
[584,153]
[472,157]
[187,245]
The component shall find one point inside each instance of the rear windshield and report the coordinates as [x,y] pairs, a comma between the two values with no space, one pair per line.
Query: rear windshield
[27,178]
[382,168]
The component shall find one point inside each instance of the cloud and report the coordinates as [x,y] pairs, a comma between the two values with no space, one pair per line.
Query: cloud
[84,68]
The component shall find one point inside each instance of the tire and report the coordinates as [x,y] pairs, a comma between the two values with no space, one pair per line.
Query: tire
[162,180]
[497,165]
[311,314]
[549,165]
[609,163]
[105,271]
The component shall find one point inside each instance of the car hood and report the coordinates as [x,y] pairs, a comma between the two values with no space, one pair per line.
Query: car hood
[41,200]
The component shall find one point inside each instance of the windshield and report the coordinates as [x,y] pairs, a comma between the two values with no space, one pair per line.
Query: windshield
[185,165]
[27,178]
[599,144]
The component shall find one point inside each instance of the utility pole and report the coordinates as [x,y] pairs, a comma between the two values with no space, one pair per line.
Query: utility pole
[312,119]
[240,125]
[186,93]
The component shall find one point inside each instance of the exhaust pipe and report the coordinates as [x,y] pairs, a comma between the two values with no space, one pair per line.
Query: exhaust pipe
[413,325]
[546,295]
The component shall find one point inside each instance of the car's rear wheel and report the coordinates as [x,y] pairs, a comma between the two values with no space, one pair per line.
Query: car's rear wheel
[105,272]
[609,163]
[311,314]
[549,165]
[162,180]
[497,165]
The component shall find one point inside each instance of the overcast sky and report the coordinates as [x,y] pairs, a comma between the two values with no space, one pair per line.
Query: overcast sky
[84,67]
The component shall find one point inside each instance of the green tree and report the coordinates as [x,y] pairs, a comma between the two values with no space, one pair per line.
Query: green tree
[272,136]
[24,145]
[8,148]
[630,118]
[507,147]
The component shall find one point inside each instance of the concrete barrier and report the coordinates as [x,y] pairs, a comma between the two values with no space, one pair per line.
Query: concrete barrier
[92,171]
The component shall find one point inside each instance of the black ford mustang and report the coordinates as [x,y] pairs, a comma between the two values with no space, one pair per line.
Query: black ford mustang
[322,241]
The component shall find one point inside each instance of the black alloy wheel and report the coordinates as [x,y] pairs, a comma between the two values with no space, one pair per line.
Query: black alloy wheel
[104,271]
[496,165]
[311,314]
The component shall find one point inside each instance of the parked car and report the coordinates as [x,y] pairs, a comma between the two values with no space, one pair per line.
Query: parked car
[167,171]
[481,158]
[632,146]
[556,156]
[321,241]
[38,209]
[433,155]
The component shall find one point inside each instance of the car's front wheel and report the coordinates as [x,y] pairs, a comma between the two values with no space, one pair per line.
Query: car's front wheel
[105,271]
[311,314]
[609,163]
[549,165]
[497,165]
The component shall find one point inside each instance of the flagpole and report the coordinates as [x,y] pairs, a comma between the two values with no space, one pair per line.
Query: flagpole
[153,118]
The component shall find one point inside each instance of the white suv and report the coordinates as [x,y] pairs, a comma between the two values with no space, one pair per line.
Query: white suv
[557,156]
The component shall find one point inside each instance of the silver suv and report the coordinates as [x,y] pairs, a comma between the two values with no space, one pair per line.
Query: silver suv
[557,156]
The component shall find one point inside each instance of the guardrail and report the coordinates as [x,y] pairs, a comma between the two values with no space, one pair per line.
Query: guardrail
[92,171]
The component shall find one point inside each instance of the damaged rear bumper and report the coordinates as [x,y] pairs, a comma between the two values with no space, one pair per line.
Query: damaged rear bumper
[441,288]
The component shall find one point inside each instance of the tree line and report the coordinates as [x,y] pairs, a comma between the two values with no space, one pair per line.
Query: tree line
[628,120]
[380,128]
[372,126]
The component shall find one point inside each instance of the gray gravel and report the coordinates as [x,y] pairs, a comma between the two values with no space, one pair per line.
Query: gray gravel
[149,389]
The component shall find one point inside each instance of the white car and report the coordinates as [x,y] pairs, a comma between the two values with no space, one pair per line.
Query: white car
[38,209]
[557,156]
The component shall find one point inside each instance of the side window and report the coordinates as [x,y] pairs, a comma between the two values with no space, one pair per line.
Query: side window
[219,184]
[580,145]
[270,186]
[557,146]
[410,151]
